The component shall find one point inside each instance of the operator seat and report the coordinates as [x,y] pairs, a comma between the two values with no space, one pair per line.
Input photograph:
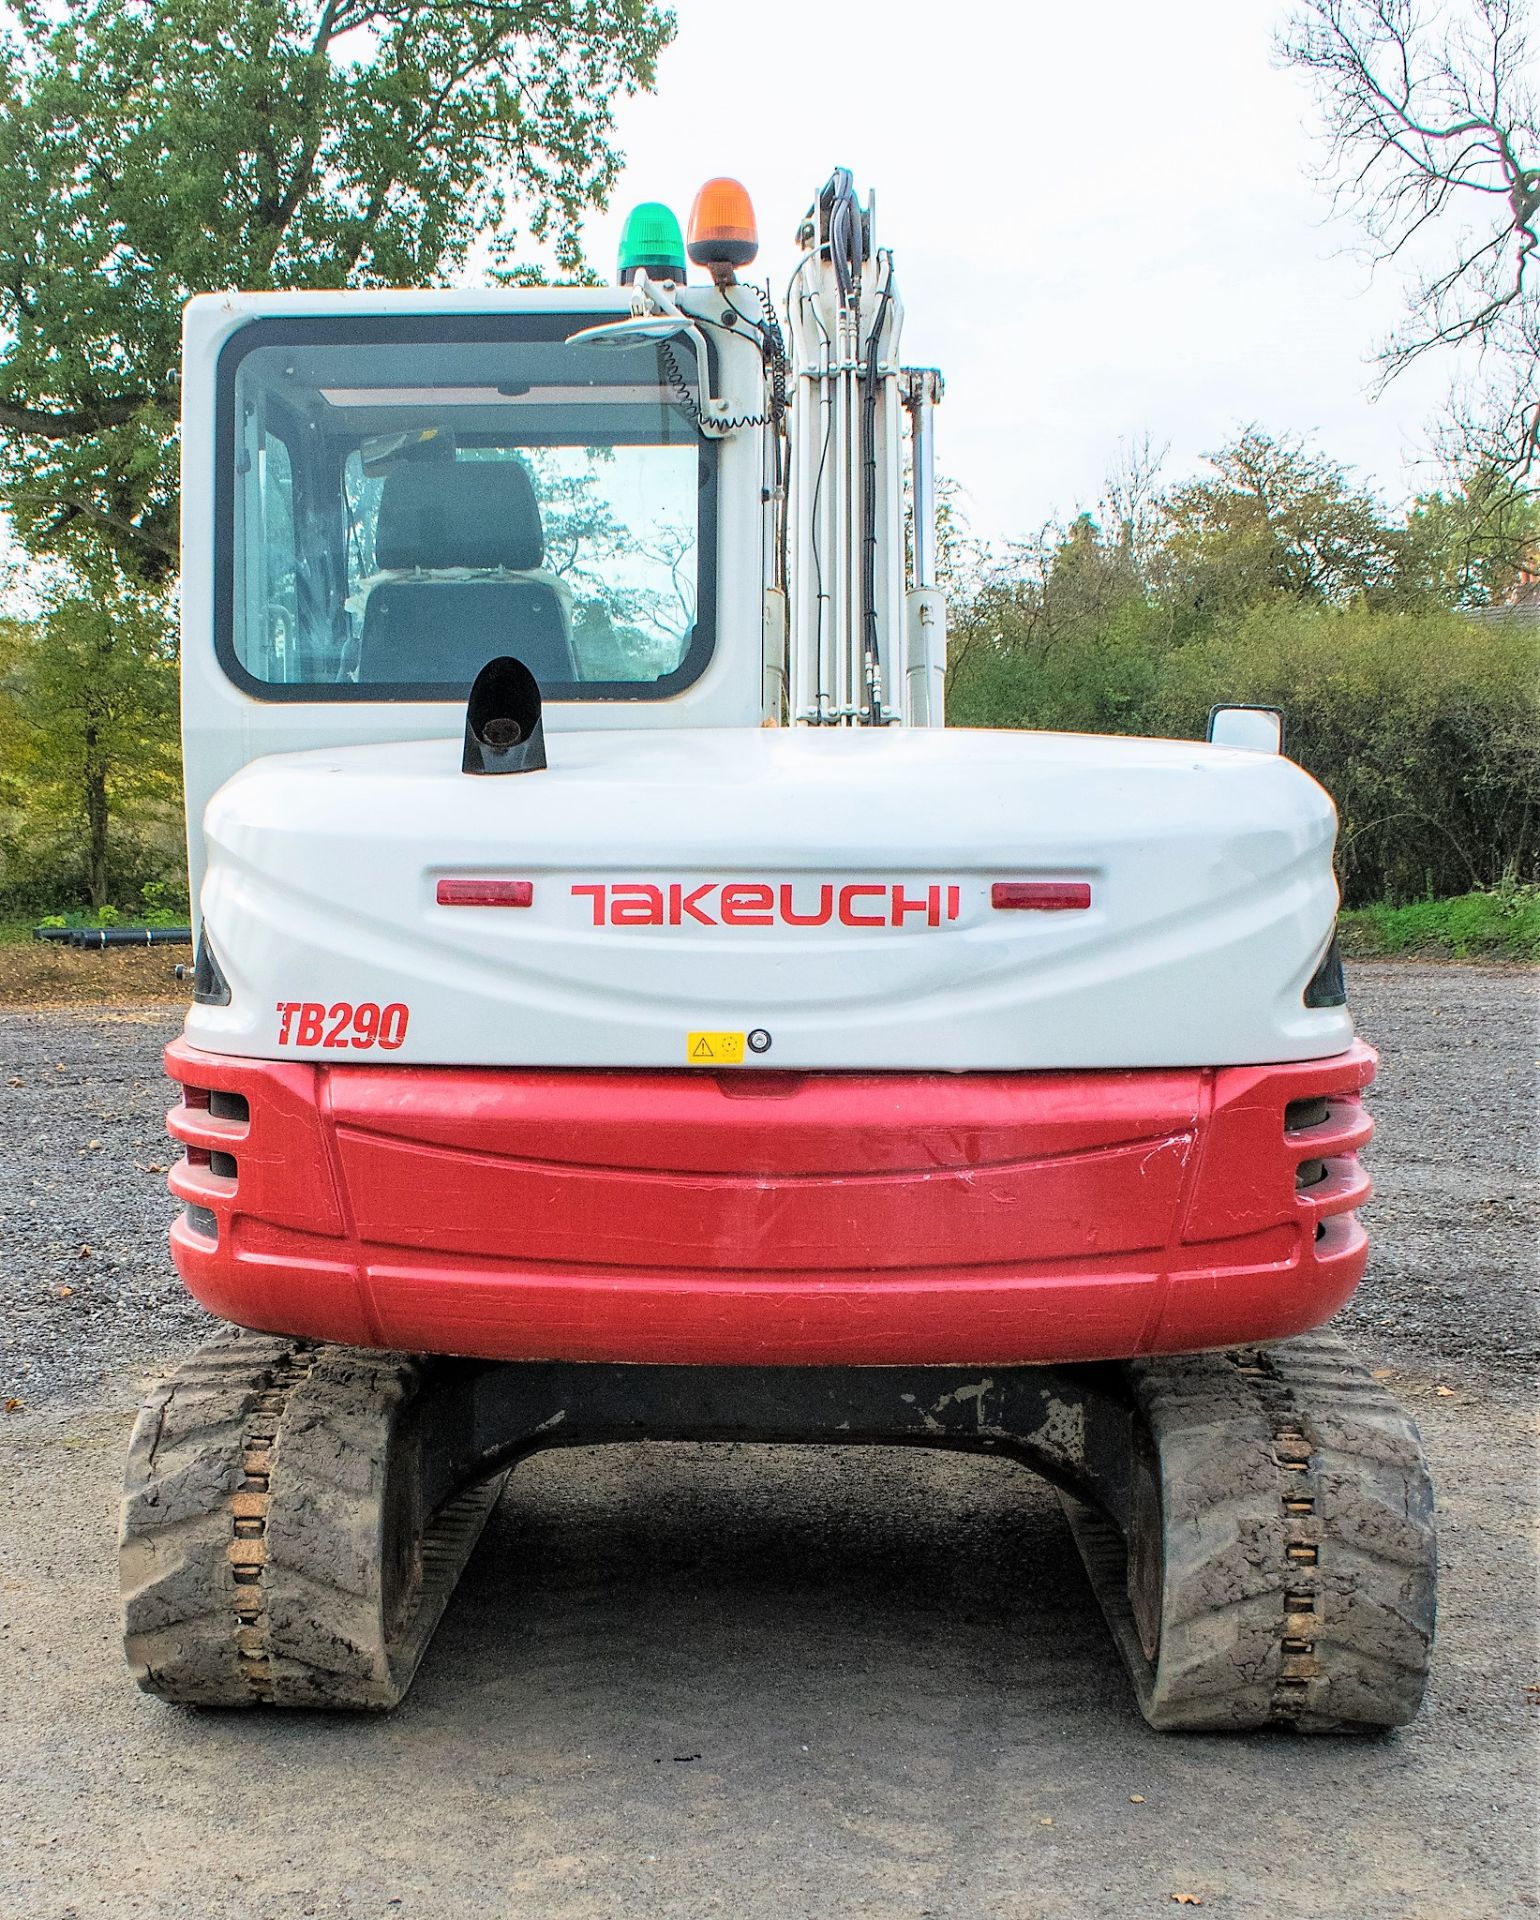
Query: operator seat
[458,547]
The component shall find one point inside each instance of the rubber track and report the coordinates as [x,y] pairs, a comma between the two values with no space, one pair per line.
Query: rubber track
[273,1550]
[1299,1556]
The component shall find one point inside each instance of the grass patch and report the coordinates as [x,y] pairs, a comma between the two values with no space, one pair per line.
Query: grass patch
[1503,924]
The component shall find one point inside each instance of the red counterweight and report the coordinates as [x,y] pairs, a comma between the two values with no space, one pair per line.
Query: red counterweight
[771,1218]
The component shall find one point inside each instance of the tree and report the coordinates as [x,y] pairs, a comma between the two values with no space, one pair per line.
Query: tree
[151,149]
[1060,586]
[1062,631]
[1431,112]
[1275,522]
[88,713]
[1467,543]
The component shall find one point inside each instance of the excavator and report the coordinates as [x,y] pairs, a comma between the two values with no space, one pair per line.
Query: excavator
[624,1010]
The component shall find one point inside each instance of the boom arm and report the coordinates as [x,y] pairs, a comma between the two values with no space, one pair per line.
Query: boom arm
[849,605]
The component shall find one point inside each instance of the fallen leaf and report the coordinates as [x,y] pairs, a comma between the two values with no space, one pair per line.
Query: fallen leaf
[13,1406]
[84,1253]
[1137,1799]
[1045,1823]
[1444,1393]
[64,1292]
[155,1167]
[1187,1899]
[17,1081]
[1382,1373]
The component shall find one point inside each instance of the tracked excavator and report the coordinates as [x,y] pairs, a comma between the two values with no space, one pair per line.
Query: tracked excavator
[624,1009]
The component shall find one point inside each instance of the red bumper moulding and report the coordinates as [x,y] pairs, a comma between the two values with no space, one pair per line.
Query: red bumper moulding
[771,1218]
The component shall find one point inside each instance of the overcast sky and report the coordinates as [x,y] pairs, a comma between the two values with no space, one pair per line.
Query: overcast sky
[1102,216]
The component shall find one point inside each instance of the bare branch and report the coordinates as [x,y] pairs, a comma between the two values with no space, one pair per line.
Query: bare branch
[72,423]
[162,544]
[1431,116]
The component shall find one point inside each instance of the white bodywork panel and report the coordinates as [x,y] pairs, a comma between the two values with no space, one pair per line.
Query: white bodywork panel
[1212,900]
[857,929]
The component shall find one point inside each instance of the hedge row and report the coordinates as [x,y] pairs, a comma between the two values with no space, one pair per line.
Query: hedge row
[1423,726]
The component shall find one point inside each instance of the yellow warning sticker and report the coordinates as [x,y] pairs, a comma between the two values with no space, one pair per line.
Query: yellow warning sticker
[714,1049]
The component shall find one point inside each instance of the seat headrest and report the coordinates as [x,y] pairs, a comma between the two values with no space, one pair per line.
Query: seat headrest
[460,513]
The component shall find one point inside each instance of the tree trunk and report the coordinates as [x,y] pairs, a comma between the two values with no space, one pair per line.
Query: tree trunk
[96,823]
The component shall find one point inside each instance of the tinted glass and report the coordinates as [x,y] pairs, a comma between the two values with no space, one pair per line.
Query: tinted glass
[402,510]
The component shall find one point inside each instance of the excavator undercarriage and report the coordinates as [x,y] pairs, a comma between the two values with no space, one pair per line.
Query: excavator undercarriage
[1257,1525]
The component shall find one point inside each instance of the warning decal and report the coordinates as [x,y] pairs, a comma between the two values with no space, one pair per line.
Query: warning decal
[714,1049]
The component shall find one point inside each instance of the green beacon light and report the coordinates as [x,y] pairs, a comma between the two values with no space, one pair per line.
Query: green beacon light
[651,242]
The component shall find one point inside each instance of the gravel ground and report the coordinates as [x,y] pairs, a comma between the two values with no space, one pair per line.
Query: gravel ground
[1453,1280]
[86,1283]
[764,1682]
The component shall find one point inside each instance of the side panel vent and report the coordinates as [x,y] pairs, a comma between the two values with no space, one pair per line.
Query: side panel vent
[201,1220]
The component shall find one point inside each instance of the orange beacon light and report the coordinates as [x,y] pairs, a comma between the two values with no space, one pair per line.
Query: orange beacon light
[722,232]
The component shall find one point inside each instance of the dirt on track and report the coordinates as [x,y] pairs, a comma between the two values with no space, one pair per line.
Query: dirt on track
[690,1681]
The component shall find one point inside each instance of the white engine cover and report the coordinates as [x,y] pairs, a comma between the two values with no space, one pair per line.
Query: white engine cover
[1210,872]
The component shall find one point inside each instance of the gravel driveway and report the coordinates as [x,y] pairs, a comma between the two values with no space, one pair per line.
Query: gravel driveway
[763,1681]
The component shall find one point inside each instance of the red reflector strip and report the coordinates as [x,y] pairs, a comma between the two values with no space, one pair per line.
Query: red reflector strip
[1045,896]
[486,893]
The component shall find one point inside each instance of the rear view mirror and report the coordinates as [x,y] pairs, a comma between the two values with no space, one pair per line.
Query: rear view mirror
[1259,729]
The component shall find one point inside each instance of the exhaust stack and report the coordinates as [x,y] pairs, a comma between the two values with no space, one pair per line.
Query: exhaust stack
[504,732]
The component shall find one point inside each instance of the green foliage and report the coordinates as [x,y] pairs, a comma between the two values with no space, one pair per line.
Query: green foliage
[151,149]
[45,869]
[163,903]
[1070,672]
[1422,721]
[88,735]
[1465,546]
[1501,923]
[1274,522]
[1423,726]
